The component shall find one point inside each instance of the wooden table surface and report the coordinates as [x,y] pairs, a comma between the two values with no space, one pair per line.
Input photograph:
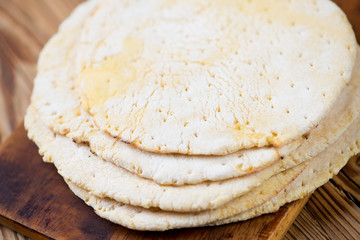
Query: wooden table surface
[333,211]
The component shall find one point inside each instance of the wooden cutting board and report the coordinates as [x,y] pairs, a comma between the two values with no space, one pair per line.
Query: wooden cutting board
[35,201]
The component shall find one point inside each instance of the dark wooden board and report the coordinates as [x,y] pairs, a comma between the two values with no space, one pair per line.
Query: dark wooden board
[35,201]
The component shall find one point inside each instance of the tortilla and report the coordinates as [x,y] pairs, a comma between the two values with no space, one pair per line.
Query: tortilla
[194,77]
[316,173]
[58,104]
[76,163]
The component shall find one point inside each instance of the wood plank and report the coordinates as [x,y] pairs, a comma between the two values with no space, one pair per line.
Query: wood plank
[333,211]
[308,229]
[35,201]
[25,27]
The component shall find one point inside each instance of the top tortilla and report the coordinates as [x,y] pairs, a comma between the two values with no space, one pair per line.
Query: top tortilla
[212,77]
[58,105]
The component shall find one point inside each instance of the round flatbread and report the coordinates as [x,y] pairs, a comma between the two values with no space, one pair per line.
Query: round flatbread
[317,172]
[76,163]
[51,146]
[58,104]
[213,77]
[115,54]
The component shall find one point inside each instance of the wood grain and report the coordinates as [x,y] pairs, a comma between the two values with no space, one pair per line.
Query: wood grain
[331,213]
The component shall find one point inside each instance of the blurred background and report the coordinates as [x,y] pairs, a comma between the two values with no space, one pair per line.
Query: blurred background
[26,25]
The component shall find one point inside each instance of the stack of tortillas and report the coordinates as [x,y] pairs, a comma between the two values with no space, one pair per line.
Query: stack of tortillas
[170,114]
